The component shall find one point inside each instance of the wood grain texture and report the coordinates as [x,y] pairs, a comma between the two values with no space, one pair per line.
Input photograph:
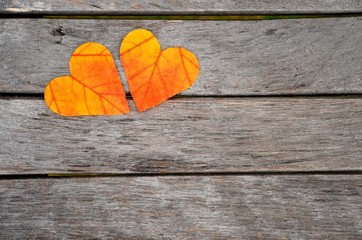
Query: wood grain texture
[304,56]
[179,7]
[186,135]
[238,207]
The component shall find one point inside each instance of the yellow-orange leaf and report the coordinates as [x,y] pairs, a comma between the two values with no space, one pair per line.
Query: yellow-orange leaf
[92,88]
[154,75]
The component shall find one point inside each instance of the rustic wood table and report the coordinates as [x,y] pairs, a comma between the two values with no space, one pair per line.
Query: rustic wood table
[266,145]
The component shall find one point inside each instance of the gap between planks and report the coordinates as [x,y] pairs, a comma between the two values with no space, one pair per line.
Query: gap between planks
[176,174]
[37,96]
[204,16]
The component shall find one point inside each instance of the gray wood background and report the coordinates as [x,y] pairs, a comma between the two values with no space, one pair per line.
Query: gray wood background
[266,145]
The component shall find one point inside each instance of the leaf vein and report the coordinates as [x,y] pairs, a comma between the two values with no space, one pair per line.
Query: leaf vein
[100,95]
[192,62]
[183,64]
[53,96]
[150,79]
[137,45]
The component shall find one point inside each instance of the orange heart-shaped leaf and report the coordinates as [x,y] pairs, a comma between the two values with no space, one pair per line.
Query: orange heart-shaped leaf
[92,88]
[154,75]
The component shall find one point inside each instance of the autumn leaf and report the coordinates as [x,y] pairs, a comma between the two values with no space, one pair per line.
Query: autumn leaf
[154,75]
[92,88]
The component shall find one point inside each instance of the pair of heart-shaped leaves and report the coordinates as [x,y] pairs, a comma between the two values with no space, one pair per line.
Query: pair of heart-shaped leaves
[94,86]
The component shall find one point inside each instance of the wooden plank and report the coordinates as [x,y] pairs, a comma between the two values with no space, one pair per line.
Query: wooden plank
[186,135]
[179,7]
[237,207]
[304,56]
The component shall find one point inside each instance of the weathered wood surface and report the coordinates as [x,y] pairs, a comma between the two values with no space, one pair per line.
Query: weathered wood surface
[237,207]
[186,135]
[304,56]
[179,7]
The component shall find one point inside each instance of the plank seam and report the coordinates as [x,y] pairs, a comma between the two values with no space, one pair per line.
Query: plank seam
[37,96]
[176,174]
[207,15]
